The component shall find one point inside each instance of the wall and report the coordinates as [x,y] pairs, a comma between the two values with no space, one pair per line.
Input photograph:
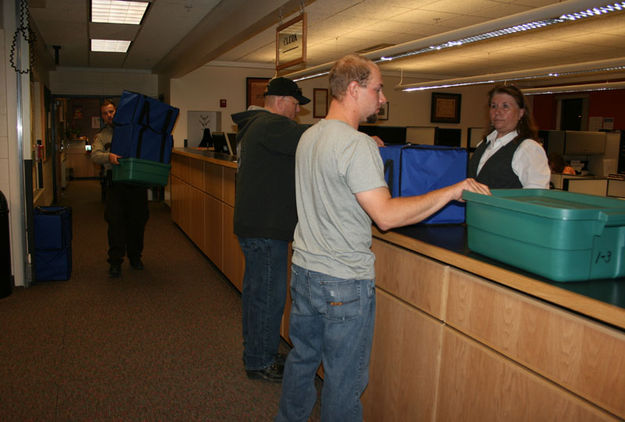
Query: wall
[102,82]
[600,104]
[202,89]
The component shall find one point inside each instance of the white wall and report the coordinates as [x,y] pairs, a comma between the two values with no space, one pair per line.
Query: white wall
[202,89]
[102,82]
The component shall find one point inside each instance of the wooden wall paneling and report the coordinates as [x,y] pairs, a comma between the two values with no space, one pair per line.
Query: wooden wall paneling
[417,280]
[478,384]
[174,189]
[213,230]
[233,261]
[196,174]
[197,214]
[229,179]
[186,208]
[213,175]
[583,356]
[175,165]
[405,362]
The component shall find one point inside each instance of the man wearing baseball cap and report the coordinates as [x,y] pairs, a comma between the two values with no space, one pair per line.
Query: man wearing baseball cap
[264,219]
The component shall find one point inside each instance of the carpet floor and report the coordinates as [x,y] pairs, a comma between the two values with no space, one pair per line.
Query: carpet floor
[162,344]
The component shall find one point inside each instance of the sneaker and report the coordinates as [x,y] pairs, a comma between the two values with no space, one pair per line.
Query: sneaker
[280,359]
[115,270]
[272,373]
[136,263]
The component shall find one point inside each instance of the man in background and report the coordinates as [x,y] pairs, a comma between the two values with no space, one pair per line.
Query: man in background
[340,189]
[264,219]
[126,205]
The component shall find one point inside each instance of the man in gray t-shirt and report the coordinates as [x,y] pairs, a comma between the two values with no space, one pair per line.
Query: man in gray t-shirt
[340,191]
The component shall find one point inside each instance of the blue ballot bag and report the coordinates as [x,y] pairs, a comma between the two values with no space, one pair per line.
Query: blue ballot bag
[417,169]
[135,141]
[135,108]
[53,243]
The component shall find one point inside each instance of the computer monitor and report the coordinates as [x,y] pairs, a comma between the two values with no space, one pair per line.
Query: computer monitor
[220,143]
[232,143]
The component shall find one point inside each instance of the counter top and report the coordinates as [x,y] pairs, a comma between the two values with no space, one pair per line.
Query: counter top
[210,156]
[603,300]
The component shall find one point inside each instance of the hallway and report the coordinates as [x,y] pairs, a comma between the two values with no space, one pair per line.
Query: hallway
[159,344]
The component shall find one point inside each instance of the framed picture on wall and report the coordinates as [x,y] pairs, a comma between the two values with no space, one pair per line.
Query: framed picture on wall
[445,108]
[383,112]
[254,90]
[320,102]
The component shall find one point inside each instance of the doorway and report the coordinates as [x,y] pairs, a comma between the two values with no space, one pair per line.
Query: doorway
[573,113]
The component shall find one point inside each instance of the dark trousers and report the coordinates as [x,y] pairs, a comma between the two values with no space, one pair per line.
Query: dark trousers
[126,214]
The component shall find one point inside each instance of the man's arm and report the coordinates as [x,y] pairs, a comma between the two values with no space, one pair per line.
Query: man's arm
[388,213]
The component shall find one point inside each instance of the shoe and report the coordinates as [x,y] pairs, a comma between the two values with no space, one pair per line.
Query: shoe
[280,359]
[115,270]
[136,264]
[272,373]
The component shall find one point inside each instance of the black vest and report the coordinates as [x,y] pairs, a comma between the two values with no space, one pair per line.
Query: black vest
[497,172]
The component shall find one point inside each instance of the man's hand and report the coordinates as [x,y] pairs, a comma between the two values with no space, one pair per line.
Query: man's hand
[472,186]
[114,158]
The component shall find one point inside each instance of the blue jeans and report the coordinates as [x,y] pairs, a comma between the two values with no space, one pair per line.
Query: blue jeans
[331,322]
[263,297]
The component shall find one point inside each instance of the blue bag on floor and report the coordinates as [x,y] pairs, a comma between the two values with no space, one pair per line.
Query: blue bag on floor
[135,108]
[53,243]
[134,141]
[417,169]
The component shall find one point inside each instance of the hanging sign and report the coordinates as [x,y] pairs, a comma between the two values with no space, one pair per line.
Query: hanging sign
[291,43]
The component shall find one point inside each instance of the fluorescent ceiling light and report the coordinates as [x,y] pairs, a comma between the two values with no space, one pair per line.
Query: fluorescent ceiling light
[110,46]
[557,13]
[549,73]
[118,11]
[602,86]
[616,7]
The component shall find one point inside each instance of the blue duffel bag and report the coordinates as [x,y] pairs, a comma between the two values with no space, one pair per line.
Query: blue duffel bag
[134,141]
[53,243]
[417,169]
[390,157]
[135,108]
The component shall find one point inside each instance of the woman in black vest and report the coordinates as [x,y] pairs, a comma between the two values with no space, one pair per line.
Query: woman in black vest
[509,157]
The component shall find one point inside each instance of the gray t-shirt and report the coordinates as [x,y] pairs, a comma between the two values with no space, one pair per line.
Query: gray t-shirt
[333,236]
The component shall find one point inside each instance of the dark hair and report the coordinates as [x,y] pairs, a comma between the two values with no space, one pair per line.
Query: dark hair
[526,127]
[106,102]
[350,68]
[556,162]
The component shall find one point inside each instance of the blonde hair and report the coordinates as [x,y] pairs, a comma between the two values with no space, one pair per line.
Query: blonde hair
[350,68]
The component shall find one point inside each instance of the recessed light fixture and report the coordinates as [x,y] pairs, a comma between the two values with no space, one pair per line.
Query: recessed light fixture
[118,11]
[110,46]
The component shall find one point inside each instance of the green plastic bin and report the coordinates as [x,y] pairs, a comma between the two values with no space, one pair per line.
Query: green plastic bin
[559,235]
[141,172]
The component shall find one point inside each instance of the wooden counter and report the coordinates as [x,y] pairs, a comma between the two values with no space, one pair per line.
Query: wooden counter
[457,336]
[202,204]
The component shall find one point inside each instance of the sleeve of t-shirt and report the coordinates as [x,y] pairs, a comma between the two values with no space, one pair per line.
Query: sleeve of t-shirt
[363,165]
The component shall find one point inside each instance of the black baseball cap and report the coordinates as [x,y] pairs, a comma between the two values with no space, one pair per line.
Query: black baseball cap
[284,87]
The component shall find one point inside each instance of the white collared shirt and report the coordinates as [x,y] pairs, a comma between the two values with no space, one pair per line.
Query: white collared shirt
[529,161]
